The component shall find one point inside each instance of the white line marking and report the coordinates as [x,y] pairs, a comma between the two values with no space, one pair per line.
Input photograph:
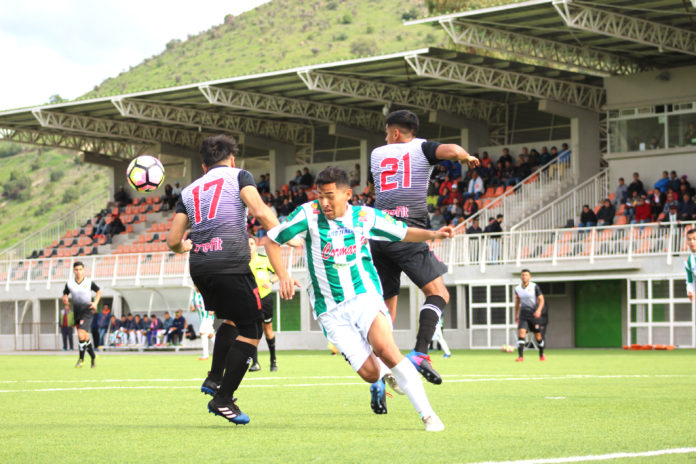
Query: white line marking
[597,457]
[555,397]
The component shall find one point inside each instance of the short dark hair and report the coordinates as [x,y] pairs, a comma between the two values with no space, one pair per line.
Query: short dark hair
[78,263]
[404,119]
[217,148]
[500,216]
[691,231]
[333,175]
[525,270]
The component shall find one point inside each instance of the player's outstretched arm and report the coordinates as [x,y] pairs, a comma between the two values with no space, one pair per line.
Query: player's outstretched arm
[453,152]
[257,208]
[177,232]
[414,234]
[286,284]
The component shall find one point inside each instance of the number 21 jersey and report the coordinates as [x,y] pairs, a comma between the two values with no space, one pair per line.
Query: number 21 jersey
[218,221]
[400,173]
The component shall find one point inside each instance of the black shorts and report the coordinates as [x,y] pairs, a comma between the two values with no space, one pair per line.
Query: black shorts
[416,260]
[233,297]
[267,308]
[531,323]
[83,319]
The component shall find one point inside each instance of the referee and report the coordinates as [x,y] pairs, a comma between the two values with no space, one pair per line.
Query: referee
[529,308]
[215,207]
[81,289]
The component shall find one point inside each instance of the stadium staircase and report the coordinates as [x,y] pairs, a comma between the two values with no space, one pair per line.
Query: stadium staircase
[517,202]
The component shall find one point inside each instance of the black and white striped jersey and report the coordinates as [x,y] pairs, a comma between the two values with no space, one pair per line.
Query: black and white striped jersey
[218,221]
[81,292]
[400,173]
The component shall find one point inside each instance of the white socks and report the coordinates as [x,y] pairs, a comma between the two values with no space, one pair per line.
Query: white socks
[410,382]
[205,341]
[383,369]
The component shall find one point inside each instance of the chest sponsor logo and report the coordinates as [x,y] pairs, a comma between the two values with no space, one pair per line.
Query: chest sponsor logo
[330,252]
[214,245]
[399,211]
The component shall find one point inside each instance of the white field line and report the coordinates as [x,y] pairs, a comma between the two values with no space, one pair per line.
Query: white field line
[249,382]
[597,457]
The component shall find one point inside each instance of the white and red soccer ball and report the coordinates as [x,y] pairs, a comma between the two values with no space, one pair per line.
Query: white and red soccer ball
[145,173]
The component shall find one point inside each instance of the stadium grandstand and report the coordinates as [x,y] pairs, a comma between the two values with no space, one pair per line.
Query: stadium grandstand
[613,80]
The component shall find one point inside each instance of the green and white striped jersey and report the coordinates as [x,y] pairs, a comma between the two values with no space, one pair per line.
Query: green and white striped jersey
[339,260]
[690,266]
[197,302]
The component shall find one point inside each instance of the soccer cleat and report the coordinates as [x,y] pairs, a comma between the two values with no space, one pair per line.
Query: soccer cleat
[422,363]
[92,364]
[79,363]
[379,397]
[210,386]
[229,411]
[433,424]
[204,358]
[390,380]
[519,360]
[255,367]
[446,355]
[274,366]
[542,357]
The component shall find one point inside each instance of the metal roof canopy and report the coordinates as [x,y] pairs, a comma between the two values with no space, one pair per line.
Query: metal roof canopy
[596,37]
[287,106]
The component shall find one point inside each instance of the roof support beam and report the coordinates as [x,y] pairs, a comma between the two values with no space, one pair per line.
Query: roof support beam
[583,95]
[117,129]
[553,53]
[76,142]
[282,131]
[581,16]
[471,108]
[291,107]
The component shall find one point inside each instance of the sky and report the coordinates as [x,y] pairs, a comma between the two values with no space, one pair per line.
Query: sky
[66,47]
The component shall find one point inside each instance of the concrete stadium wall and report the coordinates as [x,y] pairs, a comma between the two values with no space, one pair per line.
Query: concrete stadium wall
[650,166]
[653,87]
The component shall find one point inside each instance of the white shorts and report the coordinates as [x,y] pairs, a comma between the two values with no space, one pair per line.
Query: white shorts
[207,326]
[347,325]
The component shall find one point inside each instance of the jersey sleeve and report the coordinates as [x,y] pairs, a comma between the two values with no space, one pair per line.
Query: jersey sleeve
[66,290]
[245,178]
[429,149]
[537,291]
[689,278]
[295,224]
[94,287]
[180,207]
[387,228]
[370,177]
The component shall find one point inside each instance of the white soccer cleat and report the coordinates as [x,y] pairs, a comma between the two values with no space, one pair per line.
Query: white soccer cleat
[390,380]
[433,424]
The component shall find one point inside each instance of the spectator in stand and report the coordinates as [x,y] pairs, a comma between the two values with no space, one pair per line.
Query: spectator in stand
[524,168]
[654,144]
[307,180]
[661,184]
[587,217]
[509,174]
[605,215]
[103,319]
[115,334]
[122,198]
[444,198]
[470,208]
[454,212]
[656,200]
[636,186]
[670,202]
[564,154]
[494,228]
[631,204]
[687,209]
[554,153]
[672,215]
[67,322]
[169,200]
[534,157]
[506,157]
[130,329]
[674,181]
[475,228]
[355,176]
[455,169]
[179,324]
[285,209]
[690,134]
[115,227]
[295,182]
[683,181]
[145,331]
[138,332]
[437,219]
[544,157]
[440,173]
[475,188]
[486,161]
[496,178]
[176,191]
[301,197]
[263,186]
[168,326]
[642,212]
[154,336]
[99,226]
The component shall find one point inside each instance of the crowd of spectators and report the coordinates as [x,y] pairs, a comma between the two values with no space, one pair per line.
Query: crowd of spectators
[147,331]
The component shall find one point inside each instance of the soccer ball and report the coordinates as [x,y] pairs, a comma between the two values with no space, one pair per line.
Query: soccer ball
[507,348]
[145,173]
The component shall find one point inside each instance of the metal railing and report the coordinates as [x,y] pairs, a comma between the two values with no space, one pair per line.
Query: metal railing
[569,206]
[56,229]
[589,245]
[528,195]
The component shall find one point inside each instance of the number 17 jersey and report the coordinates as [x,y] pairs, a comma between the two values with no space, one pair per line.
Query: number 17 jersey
[217,216]
[400,173]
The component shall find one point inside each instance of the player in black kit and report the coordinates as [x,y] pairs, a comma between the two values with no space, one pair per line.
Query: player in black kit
[81,288]
[400,172]
[215,207]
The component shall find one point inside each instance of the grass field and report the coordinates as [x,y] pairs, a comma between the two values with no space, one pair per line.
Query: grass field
[147,408]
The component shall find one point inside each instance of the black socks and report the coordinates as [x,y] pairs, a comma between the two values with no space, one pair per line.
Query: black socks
[427,322]
[271,347]
[225,336]
[520,346]
[236,366]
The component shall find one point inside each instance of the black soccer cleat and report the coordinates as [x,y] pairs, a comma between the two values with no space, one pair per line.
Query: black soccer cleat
[274,366]
[229,410]
[378,397]
[210,386]
[92,364]
[422,363]
[255,367]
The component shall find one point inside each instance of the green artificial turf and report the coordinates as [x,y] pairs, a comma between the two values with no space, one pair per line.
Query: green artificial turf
[148,408]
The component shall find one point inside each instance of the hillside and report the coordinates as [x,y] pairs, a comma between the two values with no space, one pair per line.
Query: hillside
[58,184]
[283,34]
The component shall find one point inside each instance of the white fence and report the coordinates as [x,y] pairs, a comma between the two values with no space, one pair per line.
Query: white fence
[569,206]
[536,246]
[530,194]
[56,229]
